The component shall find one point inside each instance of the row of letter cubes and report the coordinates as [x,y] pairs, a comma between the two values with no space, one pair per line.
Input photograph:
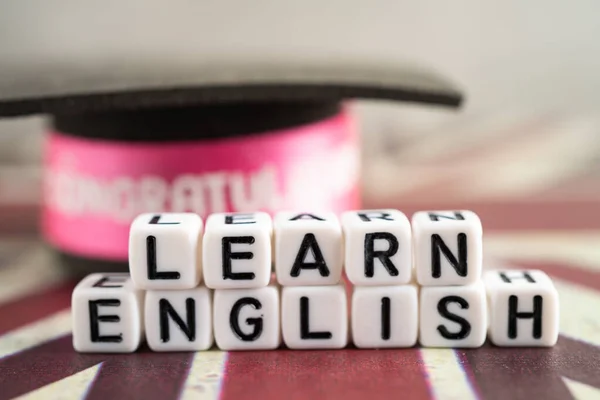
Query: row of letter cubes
[514,308]
[171,251]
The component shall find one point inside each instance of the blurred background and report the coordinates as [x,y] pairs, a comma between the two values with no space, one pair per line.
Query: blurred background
[529,127]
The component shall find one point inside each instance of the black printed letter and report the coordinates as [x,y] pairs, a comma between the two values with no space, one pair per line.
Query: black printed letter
[306,216]
[154,221]
[228,255]
[309,243]
[367,216]
[305,332]
[93,306]
[166,310]
[524,275]
[465,326]
[386,311]
[257,323]
[116,281]
[513,315]
[151,262]
[237,219]
[382,255]
[460,265]
[436,217]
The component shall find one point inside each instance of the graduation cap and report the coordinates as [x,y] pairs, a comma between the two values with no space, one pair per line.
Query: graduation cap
[78,56]
[154,71]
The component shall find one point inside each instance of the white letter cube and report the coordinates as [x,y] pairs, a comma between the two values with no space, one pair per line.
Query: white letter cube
[378,247]
[524,308]
[447,247]
[107,314]
[314,317]
[247,319]
[453,316]
[164,251]
[237,250]
[179,320]
[385,316]
[308,249]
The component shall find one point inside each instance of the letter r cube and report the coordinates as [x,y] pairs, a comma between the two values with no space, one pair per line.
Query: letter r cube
[378,247]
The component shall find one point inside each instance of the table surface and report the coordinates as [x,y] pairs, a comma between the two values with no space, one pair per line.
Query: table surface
[37,359]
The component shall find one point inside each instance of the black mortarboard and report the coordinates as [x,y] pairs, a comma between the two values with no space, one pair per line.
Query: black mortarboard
[79,56]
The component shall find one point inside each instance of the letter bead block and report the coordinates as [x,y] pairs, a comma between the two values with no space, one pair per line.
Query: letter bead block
[179,320]
[164,251]
[237,250]
[378,247]
[524,308]
[308,249]
[247,319]
[453,316]
[107,314]
[314,317]
[447,247]
[385,316]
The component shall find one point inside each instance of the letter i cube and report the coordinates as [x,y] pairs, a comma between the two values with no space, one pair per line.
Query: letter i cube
[385,316]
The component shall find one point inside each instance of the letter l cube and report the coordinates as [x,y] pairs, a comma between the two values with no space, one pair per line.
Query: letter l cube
[164,251]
